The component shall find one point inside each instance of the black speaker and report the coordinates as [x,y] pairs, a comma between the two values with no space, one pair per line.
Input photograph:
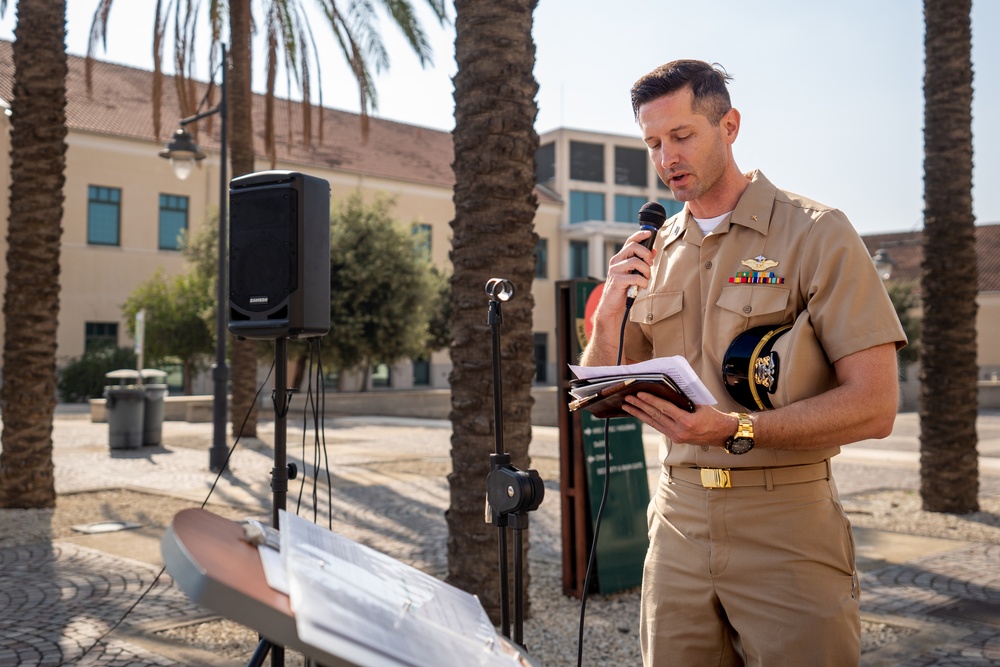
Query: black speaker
[279,255]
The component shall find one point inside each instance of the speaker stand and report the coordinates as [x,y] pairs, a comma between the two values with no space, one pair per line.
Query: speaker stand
[280,474]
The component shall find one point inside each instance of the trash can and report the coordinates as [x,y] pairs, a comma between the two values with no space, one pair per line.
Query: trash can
[152,421]
[126,406]
[135,410]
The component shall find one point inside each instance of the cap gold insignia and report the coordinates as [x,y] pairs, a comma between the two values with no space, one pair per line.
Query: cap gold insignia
[759,263]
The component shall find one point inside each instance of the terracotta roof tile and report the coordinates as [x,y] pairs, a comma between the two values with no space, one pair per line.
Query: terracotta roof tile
[906,250]
[121,106]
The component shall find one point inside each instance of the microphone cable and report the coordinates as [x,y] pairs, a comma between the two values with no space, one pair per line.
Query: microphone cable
[315,407]
[604,499]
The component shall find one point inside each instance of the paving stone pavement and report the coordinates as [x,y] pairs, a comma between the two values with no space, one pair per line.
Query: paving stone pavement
[60,602]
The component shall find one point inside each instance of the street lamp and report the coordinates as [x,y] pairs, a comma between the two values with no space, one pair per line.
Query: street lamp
[182,151]
[883,263]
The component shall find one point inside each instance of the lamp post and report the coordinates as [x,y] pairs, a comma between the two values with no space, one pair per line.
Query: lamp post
[182,151]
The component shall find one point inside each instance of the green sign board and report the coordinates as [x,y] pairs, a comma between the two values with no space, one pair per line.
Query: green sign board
[621,547]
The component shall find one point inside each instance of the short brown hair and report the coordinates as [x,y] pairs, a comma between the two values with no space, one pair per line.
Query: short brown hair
[707,83]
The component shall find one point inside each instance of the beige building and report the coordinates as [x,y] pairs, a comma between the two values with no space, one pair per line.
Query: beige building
[124,207]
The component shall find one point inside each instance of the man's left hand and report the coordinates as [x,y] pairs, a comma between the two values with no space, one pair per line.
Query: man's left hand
[705,426]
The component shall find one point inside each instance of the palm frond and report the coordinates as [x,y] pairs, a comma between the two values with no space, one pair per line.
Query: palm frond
[306,101]
[362,24]
[352,54]
[159,27]
[98,33]
[272,73]
[403,15]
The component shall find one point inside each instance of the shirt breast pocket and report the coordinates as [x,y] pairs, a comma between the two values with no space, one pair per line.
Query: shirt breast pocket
[743,307]
[660,315]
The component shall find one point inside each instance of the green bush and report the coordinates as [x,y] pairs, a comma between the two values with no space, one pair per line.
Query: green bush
[83,378]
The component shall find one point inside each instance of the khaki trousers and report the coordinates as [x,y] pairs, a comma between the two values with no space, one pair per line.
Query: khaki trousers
[749,576]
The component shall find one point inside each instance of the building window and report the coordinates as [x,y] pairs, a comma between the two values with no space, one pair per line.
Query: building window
[100,335]
[173,221]
[630,166]
[545,163]
[672,206]
[542,258]
[586,161]
[627,208]
[421,372]
[381,376]
[541,357]
[585,206]
[103,215]
[579,259]
[422,240]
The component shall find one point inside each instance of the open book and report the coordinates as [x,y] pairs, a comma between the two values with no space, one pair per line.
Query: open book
[601,390]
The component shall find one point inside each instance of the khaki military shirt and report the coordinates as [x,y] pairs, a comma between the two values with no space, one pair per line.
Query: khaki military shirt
[700,297]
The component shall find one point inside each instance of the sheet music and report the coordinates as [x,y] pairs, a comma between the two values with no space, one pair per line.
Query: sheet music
[274,569]
[677,368]
[343,591]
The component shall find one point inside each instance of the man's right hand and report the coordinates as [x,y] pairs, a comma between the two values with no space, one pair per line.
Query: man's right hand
[629,266]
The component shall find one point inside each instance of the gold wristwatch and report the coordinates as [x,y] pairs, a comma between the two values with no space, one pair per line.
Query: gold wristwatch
[742,441]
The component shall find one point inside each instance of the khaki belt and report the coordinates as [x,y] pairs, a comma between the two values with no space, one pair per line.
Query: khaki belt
[726,478]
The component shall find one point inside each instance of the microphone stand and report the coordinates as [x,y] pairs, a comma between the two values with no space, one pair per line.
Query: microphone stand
[510,493]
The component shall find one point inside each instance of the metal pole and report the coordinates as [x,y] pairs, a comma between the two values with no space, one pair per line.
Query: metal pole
[220,371]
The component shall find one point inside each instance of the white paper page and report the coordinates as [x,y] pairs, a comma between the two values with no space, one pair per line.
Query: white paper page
[677,368]
[274,569]
[334,611]
[345,594]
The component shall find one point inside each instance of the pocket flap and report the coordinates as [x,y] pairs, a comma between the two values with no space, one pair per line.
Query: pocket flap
[650,308]
[748,300]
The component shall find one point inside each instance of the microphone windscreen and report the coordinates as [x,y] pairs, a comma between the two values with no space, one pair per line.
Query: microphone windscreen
[652,214]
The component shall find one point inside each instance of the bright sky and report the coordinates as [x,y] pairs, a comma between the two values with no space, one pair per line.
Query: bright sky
[831,93]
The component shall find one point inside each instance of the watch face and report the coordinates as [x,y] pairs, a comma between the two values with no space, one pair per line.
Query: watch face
[740,445]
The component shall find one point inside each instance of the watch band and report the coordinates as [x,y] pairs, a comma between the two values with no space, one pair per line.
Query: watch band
[742,442]
[745,427]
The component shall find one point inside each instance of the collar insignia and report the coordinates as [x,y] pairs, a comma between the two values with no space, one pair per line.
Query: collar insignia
[759,263]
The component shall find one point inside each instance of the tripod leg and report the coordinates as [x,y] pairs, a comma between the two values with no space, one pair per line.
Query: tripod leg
[257,659]
[504,594]
[518,588]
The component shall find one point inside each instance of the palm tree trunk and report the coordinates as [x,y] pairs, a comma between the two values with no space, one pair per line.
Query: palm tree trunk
[34,231]
[243,354]
[495,144]
[949,472]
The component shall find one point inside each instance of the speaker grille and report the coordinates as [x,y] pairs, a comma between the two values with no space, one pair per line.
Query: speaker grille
[263,272]
[263,248]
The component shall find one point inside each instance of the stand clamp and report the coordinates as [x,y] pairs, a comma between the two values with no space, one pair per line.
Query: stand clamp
[511,493]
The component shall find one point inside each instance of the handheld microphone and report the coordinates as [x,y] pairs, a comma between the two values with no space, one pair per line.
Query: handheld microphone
[651,217]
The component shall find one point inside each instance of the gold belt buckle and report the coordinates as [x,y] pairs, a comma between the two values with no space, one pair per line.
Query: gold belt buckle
[716,478]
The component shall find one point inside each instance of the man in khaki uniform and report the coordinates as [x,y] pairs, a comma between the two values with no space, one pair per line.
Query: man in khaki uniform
[751,558]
